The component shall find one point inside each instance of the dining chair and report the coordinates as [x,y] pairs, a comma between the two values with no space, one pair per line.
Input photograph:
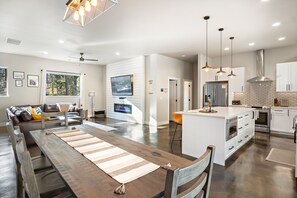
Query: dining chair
[198,174]
[177,118]
[43,184]
[62,118]
[40,162]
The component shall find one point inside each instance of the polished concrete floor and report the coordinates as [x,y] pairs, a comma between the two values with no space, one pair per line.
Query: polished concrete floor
[246,174]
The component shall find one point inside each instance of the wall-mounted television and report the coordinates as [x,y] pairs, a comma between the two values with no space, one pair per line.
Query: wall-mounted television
[122,85]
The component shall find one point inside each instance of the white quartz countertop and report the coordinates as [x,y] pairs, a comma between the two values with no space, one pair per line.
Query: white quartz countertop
[273,107]
[222,112]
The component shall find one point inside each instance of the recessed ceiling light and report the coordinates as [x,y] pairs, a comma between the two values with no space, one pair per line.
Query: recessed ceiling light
[45,52]
[265,0]
[281,38]
[276,24]
[117,53]
[251,44]
[227,49]
[61,41]
[183,55]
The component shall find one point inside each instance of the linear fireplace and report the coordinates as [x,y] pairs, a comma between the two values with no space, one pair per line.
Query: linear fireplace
[123,108]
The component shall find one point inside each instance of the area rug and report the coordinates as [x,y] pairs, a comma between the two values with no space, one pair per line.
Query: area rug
[282,156]
[99,126]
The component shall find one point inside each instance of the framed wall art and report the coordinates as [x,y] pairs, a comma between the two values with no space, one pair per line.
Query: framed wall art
[33,81]
[18,75]
[18,83]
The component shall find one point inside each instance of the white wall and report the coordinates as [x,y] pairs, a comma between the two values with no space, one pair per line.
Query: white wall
[160,69]
[94,80]
[135,66]
[272,57]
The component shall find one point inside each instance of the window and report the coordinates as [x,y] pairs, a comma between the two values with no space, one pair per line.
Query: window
[62,84]
[3,81]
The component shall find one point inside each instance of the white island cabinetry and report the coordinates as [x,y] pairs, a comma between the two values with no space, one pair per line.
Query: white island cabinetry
[203,129]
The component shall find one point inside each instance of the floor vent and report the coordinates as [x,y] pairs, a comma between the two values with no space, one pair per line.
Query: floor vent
[13,41]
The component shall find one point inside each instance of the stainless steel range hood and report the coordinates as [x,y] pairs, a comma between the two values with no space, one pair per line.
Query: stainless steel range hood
[260,69]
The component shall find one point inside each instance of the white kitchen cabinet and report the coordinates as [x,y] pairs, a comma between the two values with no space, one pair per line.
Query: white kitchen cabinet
[293,72]
[282,120]
[237,84]
[286,80]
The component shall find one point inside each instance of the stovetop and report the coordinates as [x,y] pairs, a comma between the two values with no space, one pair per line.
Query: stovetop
[261,107]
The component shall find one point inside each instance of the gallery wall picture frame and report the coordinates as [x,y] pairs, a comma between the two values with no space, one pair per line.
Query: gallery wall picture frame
[18,75]
[18,83]
[32,81]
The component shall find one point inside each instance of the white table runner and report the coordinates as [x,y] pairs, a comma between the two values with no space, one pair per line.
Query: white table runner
[122,166]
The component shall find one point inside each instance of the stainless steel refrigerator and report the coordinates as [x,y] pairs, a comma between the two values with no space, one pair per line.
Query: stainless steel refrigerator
[217,92]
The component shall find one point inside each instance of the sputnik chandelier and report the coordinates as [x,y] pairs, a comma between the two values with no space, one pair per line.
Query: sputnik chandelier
[82,12]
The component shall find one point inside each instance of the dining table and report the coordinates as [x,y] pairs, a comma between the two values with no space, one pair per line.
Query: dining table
[85,179]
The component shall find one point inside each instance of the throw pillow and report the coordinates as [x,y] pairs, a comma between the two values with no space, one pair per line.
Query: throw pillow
[64,107]
[26,116]
[36,113]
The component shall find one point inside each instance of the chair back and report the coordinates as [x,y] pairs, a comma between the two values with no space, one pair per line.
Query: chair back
[45,116]
[27,171]
[14,134]
[177,118]
[199,172]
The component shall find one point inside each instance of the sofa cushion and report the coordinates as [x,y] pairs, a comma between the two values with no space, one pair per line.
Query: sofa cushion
[51,108]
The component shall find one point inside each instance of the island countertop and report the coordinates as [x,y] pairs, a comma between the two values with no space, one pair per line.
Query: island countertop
[222,112]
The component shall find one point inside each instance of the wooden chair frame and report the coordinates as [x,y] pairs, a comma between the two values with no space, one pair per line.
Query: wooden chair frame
[200,169]
[45,115]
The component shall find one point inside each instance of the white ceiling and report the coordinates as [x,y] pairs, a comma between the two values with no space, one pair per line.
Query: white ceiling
[142,27]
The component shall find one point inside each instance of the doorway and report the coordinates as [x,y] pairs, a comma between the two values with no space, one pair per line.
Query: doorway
[187,95]
[173,97]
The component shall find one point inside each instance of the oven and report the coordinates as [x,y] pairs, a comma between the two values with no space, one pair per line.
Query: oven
[231,128]
[263,120]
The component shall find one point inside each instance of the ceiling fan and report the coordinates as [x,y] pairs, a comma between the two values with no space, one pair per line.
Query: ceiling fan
[82,59]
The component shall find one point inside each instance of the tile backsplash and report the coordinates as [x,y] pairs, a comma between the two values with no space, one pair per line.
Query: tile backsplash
[262,94]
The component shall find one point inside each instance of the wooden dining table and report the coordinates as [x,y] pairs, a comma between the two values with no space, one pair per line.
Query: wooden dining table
[85,179]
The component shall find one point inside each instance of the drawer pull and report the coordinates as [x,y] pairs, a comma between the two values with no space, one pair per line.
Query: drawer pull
[246,115]
[232,147]
[239,141]
[240,128]
[240,117]
[246,124]
[246,136]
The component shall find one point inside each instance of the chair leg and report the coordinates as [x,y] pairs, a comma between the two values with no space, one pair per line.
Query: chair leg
[173,137]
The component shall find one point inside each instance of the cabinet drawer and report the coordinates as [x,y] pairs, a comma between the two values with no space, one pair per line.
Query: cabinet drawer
[240,140]
[284,112]
[230,147]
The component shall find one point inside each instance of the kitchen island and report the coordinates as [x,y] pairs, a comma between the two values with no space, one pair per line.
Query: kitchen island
[228,129]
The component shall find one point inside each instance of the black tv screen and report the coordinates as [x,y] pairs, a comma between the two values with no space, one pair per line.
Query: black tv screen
[122,85]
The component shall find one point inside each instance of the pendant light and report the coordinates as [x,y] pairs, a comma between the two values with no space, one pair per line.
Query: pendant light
[206,67]
[231,75]
[221,71]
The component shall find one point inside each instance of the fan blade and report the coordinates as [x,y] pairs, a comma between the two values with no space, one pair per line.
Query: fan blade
[87,59]
[73,57]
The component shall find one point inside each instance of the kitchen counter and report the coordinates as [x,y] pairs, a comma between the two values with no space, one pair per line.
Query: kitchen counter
[273,107]
[202,129]
[222,112]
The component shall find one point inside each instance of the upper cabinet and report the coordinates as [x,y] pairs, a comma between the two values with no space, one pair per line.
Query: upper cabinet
[237,84]
[286,79]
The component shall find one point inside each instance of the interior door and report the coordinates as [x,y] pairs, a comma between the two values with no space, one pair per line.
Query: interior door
[187,95]
[172,97]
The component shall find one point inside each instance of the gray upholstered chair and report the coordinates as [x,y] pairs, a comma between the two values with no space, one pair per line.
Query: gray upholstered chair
[43,184]
[199,172]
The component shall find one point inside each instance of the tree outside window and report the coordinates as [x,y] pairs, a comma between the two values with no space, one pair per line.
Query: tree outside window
[60,84]
[3,81]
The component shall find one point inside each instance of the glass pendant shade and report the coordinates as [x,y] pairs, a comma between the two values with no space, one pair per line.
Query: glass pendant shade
[231,75]
[206,67]
[82,12]
[221,71]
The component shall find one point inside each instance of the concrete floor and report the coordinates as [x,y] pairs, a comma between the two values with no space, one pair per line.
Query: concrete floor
[246,174]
